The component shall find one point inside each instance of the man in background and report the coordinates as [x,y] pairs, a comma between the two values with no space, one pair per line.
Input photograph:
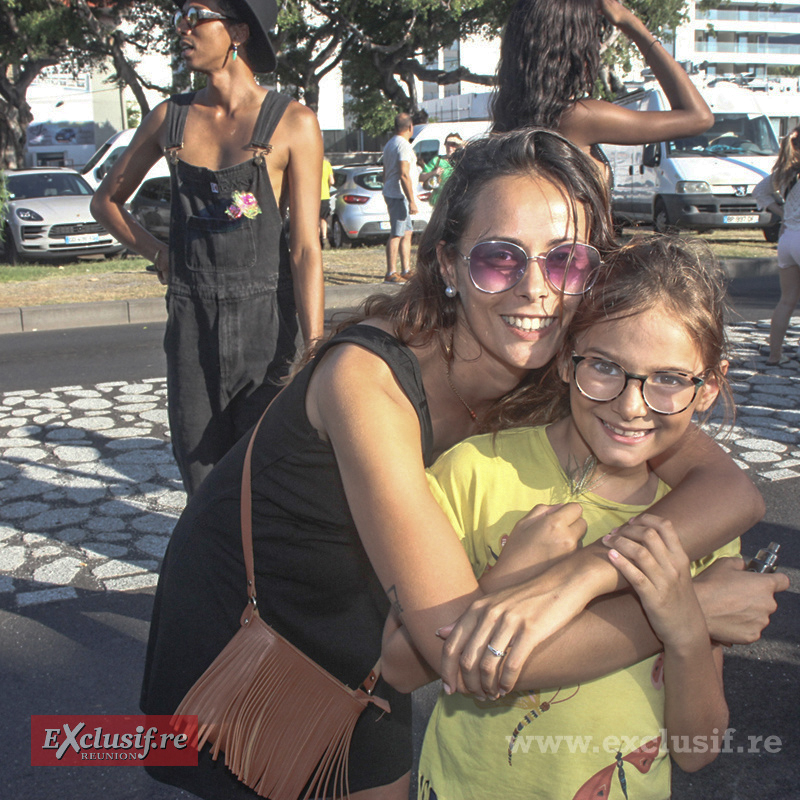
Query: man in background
[399,177]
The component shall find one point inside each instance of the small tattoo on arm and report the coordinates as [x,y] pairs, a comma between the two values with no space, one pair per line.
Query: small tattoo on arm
[395,598]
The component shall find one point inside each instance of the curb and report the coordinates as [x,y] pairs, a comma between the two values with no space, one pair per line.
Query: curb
[145,310]
[126,312]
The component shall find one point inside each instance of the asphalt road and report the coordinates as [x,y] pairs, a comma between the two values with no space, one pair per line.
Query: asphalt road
[85,654]
[42,359]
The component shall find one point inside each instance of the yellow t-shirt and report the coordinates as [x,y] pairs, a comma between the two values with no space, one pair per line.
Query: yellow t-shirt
[562,743]
[327,174]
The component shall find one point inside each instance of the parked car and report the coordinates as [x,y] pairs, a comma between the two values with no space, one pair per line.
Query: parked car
[48,217]
[98,166]
[150,206]
[359,210]
[66,135]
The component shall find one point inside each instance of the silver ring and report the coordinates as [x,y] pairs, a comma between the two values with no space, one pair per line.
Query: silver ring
[498,653]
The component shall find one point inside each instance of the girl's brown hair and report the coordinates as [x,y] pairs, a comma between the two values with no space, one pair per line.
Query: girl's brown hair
[549,59]
[787,167]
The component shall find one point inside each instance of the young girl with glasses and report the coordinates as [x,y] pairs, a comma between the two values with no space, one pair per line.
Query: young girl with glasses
[645,352]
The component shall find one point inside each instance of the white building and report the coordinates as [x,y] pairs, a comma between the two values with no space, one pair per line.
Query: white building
[744,36]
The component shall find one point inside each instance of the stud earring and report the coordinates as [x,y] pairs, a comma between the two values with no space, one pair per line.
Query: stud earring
[450,291]
[235,52]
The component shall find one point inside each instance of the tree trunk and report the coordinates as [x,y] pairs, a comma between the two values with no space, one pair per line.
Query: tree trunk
[15,113]
[13,122]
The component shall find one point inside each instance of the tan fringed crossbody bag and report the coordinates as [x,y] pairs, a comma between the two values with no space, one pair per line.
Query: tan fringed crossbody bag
[281,720]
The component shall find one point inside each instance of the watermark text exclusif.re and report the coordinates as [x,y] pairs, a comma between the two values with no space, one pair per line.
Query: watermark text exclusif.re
[719,742]
[142,740]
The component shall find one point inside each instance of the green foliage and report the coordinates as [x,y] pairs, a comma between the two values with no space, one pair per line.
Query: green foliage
[371,112]
[661,18]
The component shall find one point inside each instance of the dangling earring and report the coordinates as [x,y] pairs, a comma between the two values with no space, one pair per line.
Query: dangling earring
[235,51]
[450,291]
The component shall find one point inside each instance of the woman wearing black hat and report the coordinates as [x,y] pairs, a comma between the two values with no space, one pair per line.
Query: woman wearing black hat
[237,152]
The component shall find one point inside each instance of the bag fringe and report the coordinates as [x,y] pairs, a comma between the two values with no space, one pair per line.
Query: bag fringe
[276,722]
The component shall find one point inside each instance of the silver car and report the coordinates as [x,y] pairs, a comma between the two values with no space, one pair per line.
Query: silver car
[359,210]
[48,217]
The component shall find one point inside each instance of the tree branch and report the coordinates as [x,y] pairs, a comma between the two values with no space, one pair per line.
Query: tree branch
[413,67]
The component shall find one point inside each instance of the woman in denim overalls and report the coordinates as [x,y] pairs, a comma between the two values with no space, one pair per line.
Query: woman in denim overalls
[235,294]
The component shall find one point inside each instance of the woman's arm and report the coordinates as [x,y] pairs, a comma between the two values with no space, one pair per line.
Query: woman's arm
[108,202]
[613,632]
[356,403]
[595,121]
[304,172]
[539,539]
[658,569]
[712,502]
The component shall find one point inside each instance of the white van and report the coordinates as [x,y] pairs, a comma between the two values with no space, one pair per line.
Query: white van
[700,182]
[98,166]
[428,140]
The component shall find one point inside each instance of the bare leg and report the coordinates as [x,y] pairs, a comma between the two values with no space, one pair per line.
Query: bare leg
[392,249]
[393,791]
[790,294]
[405,253]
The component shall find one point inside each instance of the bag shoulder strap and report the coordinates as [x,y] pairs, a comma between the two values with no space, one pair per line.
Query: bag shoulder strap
[246,512]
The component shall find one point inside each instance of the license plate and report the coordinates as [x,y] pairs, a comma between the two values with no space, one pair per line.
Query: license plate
[384,226]
[83,238]
[740,219]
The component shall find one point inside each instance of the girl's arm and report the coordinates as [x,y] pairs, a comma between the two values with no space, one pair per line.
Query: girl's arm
[657,568]
[595,121]
[713,502]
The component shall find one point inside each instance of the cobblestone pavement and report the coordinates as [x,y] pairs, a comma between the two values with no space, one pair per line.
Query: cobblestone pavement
[89,491]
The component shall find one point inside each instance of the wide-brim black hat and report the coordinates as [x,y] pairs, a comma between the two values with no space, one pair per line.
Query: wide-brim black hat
[260,16]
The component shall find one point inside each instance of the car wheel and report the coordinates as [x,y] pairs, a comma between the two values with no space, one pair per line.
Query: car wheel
[661,218]
[772,232]
[11,254]
[338,236]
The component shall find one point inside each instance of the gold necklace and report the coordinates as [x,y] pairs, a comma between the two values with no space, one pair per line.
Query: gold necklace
[455,391]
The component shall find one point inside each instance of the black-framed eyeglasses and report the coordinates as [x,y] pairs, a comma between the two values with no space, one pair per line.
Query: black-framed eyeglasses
[194,16]
[495,267]
[665,392]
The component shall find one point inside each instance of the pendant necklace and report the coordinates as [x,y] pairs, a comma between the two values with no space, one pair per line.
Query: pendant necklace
[455,391]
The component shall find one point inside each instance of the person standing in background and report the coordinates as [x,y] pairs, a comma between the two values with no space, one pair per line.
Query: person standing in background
[237,153]
[779,193]
[436,172]
[325,201]
[399,173]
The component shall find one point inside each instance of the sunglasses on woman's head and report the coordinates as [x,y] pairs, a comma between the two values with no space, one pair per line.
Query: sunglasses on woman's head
[194,16]
[496,267]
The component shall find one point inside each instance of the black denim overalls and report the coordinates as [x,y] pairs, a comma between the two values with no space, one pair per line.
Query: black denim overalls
[232,325]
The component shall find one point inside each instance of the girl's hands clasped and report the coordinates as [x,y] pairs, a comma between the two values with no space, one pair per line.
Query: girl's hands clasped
[651,558]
